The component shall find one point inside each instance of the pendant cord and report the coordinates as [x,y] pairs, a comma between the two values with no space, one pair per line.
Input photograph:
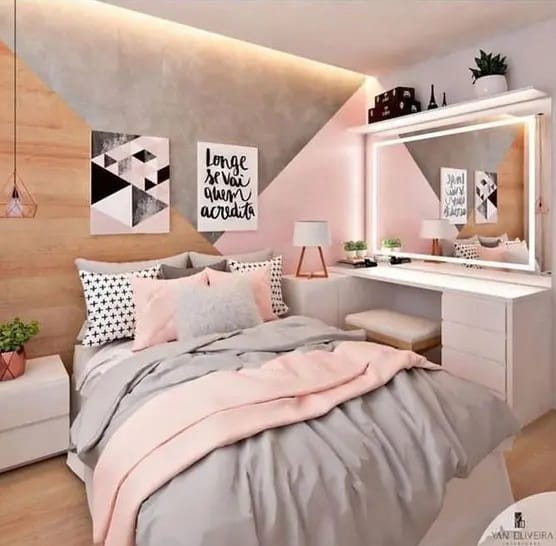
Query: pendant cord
[15,91]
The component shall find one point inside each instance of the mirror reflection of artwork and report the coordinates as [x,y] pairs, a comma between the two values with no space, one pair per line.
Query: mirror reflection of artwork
[486,197]
[424,178]
[453,195]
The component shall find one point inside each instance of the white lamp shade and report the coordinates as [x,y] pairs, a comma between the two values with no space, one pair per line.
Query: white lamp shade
[436,228]
[311,233]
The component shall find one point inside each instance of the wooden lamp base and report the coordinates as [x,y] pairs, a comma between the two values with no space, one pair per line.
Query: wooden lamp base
[436,249]
[298,272]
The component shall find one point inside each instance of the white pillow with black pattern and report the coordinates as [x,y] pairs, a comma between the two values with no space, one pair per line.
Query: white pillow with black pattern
[468,252]
[278,306]
[110,306]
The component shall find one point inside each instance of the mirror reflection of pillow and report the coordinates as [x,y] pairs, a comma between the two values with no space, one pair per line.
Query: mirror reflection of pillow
[492,242]
[516,252]
[469,252]
[449,247]
[494,254]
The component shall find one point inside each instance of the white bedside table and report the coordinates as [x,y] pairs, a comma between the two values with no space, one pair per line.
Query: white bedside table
[316,298]
[34,413]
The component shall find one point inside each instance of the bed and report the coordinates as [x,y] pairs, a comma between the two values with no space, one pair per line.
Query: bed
[418,461]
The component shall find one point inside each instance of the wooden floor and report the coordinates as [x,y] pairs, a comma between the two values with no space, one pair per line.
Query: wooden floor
[44,504]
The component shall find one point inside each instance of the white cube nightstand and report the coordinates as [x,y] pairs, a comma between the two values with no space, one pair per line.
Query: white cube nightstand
[34,413]
[316,298]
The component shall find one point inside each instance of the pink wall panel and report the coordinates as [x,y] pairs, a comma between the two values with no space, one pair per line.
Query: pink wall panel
[405,198]
[323,182]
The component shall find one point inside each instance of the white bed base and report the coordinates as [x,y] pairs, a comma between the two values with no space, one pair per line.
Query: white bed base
[469,506]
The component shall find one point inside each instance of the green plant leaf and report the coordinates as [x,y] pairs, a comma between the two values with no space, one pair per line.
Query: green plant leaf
[14,334]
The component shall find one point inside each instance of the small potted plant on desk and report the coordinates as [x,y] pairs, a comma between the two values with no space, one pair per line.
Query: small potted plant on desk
[13,336]
[350,249]
[361,249]
[391,245]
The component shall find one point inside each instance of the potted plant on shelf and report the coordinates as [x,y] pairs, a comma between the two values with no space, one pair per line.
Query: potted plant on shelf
[391,245]
[361,249]
[13,336]
[489,78]
[350,250]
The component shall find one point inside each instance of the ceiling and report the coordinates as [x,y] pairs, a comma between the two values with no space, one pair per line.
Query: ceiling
[369,36]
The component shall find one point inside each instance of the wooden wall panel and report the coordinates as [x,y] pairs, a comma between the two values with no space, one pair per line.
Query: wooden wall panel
[511,191]
[38,279]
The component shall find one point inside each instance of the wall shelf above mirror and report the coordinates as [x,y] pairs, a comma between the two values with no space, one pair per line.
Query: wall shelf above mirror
[473,190]
[510,102]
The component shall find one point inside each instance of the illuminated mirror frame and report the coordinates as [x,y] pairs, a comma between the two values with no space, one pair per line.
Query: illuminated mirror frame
[530,123]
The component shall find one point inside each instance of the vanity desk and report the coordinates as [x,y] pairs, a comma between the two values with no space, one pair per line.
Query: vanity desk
[494,333]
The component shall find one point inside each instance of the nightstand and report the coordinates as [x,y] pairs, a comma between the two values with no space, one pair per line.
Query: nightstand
[316,298]
[34,413]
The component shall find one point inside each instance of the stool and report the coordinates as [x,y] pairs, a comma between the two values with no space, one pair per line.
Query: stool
[398,330]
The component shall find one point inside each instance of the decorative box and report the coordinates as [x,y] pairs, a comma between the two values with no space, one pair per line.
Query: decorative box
[404,93]
[393,110]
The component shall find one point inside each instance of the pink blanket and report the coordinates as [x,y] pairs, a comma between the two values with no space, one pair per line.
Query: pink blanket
[178,427]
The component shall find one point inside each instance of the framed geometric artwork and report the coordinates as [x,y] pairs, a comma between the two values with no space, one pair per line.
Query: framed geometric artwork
[453,195]
[486,197]
[130,184]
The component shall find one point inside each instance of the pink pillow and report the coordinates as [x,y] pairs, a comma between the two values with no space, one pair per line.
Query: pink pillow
[155,308]
[259,280]
[494,254]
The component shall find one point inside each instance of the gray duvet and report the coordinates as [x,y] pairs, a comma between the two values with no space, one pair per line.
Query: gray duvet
[371,472]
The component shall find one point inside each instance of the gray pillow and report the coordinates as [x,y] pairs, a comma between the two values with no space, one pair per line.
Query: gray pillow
[493,242]
[204,260]
[169,272]
[179,260]
[216,309]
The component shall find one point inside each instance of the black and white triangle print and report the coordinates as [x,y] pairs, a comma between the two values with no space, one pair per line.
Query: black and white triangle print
[278,306]
[110,306]
[468,252]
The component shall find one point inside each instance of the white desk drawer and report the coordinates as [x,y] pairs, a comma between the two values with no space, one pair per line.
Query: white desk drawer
[480,313]
[476,369]
[484,343]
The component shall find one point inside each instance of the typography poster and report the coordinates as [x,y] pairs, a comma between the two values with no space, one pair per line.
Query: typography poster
[453,195]
[227,187]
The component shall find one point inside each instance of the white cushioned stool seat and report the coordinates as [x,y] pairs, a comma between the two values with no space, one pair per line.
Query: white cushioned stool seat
[397,329]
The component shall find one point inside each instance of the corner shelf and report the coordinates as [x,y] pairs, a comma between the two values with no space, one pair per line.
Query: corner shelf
[454,112]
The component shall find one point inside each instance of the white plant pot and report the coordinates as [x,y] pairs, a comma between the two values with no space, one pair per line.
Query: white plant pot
[351,254]
[389,249]
[361,253]
[490,85]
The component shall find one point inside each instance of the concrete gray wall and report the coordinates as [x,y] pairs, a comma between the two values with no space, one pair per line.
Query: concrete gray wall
[131,73]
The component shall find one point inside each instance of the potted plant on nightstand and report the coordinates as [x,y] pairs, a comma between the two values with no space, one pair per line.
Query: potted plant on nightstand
[13,336]
[489,78]
[361,249]
[350,250]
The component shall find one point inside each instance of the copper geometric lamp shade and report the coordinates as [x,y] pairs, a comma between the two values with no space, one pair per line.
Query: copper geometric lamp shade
[15,200]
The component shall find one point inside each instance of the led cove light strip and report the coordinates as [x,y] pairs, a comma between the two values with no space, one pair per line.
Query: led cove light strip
[529,122]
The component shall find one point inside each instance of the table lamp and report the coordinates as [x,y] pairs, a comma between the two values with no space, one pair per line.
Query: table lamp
[311,233]
[436,229]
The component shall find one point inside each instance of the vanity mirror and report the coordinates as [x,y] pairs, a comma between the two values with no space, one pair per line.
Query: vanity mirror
[470,193]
